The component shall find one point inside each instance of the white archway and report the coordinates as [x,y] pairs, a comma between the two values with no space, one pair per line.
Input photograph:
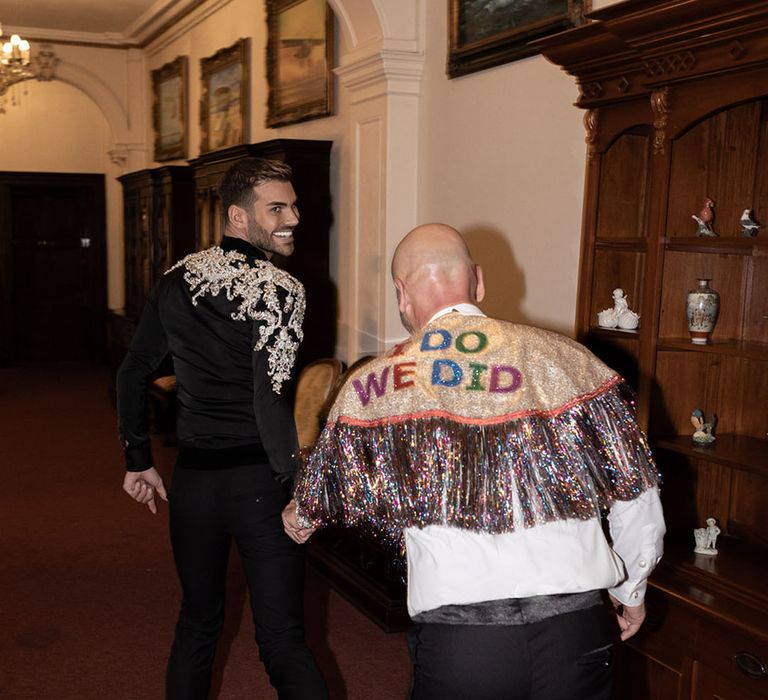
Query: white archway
[114,80]
[381,74]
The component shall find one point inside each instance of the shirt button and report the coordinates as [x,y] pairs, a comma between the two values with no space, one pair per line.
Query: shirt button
[635,595]
[642,563]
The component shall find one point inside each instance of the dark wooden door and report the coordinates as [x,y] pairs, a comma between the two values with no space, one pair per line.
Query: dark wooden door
[55,267]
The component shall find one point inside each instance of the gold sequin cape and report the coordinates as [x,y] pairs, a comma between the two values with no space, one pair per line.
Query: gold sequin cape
[479,424]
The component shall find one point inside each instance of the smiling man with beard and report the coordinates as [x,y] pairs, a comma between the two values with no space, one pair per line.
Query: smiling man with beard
[231,322]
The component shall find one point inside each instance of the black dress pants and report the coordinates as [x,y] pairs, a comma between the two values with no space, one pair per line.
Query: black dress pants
[565,657]
[209,509]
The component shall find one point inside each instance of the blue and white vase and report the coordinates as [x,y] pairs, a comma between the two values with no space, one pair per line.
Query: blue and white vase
[702,308]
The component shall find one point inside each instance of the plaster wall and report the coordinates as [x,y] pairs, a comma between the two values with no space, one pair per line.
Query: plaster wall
[503,158]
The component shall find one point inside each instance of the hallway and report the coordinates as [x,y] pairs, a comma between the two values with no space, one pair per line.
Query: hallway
[88,593]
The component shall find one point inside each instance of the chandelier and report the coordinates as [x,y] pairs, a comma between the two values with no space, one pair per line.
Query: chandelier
[14,66]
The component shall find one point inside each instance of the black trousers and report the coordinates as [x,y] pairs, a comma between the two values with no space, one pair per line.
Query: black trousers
[209,509]
[565,657]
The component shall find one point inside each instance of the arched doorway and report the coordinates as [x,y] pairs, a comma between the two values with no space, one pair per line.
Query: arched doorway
[52,226]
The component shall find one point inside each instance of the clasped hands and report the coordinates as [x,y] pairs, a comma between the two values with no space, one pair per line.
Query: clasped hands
[293,528]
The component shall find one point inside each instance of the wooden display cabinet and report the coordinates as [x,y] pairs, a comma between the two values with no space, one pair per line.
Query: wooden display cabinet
[676,100]
[158,226]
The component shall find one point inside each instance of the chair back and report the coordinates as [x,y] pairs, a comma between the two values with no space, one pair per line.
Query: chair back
[315,384]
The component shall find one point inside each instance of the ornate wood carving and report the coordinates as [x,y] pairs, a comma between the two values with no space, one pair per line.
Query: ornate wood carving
[624,84]
[737,50]
[631,48]
[591,120]
[591,90]
[660,106]
[671,63]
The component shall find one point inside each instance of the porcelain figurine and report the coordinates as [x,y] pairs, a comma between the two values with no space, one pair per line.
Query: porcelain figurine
[705,218]
[620,315]
[703,434]
[706,538]
[749,227]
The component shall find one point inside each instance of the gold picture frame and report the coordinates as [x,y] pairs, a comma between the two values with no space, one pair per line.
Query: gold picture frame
[300,52]
[169,110]
[225,99]
[482,34]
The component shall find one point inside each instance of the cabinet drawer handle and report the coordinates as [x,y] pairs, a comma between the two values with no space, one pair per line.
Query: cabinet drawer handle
[750,665]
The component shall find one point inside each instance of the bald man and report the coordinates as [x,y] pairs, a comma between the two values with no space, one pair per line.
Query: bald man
[487,452]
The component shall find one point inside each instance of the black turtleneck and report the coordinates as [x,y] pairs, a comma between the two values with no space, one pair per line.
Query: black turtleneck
[228,413]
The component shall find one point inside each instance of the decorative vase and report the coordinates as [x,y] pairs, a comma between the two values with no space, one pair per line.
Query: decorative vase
[702,307]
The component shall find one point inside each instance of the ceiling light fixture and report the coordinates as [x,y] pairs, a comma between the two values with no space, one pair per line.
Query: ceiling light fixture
[14,67]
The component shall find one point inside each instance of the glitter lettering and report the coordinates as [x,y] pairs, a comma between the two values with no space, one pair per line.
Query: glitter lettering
[372,385]
[444,343]
[452,367]
[515,379]
[402,370]
[477,370]
[399,348]
[482,341]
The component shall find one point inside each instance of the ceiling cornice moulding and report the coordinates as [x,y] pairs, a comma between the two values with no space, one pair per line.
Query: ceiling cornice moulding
[163,17]
[114,40]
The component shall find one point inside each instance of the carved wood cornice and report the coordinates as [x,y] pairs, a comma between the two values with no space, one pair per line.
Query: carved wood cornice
[634,48]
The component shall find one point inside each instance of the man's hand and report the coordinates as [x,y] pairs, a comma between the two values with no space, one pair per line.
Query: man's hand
[291,524]
[142,487]
[629,617]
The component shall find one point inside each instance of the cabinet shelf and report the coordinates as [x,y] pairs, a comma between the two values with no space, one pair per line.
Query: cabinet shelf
[616,333]
[734,348]
[729,585]
[723,245]
[741,452]
[630,244]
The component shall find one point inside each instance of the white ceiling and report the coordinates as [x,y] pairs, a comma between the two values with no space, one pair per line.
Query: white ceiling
[88,21]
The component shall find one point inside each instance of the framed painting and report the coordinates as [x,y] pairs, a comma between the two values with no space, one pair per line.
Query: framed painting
[300,52]
[225,101]
[487,33]
[169,110]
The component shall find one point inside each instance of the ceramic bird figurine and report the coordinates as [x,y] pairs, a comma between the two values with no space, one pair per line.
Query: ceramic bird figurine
[707,213]
[703,433]
[705,218]
[749,227]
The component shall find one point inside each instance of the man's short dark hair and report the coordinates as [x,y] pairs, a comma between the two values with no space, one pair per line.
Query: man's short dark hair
[236,187]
